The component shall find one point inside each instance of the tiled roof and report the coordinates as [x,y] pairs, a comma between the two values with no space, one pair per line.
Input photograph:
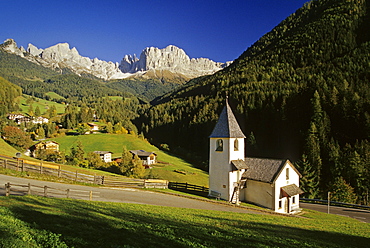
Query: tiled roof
[227,126]
[142,153]
[262,169]
[239,164]
[292,189]
[102,152]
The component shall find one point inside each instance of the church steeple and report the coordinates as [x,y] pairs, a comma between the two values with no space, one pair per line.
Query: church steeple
[227,126]
[226,152]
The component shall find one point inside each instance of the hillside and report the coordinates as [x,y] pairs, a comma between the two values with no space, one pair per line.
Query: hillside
[51,222]
[301,92]
[115,142]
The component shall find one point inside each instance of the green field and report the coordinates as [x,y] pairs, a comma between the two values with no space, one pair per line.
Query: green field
[31,221]
[41,103]
[115,142]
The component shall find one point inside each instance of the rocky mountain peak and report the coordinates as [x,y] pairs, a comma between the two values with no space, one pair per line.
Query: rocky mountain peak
[170,58]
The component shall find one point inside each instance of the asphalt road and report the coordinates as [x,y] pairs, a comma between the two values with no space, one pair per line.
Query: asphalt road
[359,214]
[137,196]
[124,195]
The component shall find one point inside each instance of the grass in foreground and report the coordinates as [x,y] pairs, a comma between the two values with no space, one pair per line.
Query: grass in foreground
[48,222]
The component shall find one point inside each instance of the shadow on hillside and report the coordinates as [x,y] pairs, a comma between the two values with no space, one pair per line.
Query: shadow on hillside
[87,224]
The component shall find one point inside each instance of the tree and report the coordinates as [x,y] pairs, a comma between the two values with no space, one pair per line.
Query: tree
[40,132]
[16,137]
[126,165]
[308,183]
[138,170]
[94,160]
[37,111]
[341,191]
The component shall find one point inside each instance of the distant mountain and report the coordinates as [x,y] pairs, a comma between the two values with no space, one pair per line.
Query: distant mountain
[171,58]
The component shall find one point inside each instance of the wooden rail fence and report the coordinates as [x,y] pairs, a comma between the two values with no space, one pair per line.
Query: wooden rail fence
[55,170]
[46,191]
[189,188]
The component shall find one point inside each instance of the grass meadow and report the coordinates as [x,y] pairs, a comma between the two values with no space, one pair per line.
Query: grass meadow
[115,142]
[31,221]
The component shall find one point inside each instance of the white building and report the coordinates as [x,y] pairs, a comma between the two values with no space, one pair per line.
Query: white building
[105,156]
[267,182]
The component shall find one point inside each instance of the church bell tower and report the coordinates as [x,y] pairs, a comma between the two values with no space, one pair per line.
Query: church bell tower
[226,154]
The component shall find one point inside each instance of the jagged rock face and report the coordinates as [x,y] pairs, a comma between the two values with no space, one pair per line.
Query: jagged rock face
[10,46]
[170,58]
[60,56]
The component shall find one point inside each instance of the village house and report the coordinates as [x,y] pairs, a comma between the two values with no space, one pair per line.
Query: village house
[93,127]
[105,156]
[19,119]
[147,158]
[271,183]
[49,145]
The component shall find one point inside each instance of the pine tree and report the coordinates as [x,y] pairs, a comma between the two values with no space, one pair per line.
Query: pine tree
[309,182]
[138,169]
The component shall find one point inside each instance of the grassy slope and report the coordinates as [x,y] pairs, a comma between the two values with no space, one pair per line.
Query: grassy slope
[115,142]
[41,103]
[30,221]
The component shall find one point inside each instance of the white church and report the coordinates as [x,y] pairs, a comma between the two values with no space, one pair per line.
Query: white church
[271,183]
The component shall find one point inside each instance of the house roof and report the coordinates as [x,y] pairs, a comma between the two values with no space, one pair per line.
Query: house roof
[292,190]
[227,126]
[102,152]
[142,153]
[262,169]
[239,164]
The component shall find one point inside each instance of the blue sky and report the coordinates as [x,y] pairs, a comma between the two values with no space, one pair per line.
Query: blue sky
[109,29]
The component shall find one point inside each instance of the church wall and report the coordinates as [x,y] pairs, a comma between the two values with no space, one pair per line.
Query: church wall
[219,168]
[260,193]
[281,181]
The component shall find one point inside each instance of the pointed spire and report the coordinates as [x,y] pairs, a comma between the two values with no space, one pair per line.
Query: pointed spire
[227,126]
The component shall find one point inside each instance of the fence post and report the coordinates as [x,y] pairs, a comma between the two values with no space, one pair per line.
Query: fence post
[17,164]
[45,191]
[29,189]
[67,193]
[76,175]
[91,195]
[328,201]
[7,189]
[40,167]
[22,165]
[59,171]
[186,185]
[5,163]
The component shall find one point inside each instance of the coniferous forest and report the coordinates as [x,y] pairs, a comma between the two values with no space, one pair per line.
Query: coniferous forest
[301,92]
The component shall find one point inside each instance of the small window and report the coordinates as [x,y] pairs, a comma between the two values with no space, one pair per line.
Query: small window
[293,199]
[220,145]
[236,145]
[280,204]
[287,173]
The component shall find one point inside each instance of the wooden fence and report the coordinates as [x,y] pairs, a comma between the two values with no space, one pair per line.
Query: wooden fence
[55,170]
[189,188]
[46,191]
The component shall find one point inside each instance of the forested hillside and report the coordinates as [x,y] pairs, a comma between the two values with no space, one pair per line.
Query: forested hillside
[300,92]
[8,93]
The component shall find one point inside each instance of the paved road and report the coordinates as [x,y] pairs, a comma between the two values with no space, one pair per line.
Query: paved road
[359,214]
[137,196]
[127,195]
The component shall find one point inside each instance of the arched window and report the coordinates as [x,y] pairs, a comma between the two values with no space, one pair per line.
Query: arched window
[236,145]
[220,145]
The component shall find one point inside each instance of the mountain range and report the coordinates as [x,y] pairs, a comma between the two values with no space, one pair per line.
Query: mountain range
[170,58]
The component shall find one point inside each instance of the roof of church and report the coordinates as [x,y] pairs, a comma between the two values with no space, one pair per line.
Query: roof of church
[227,126]
[292,190]
[263,169]
[239,164]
